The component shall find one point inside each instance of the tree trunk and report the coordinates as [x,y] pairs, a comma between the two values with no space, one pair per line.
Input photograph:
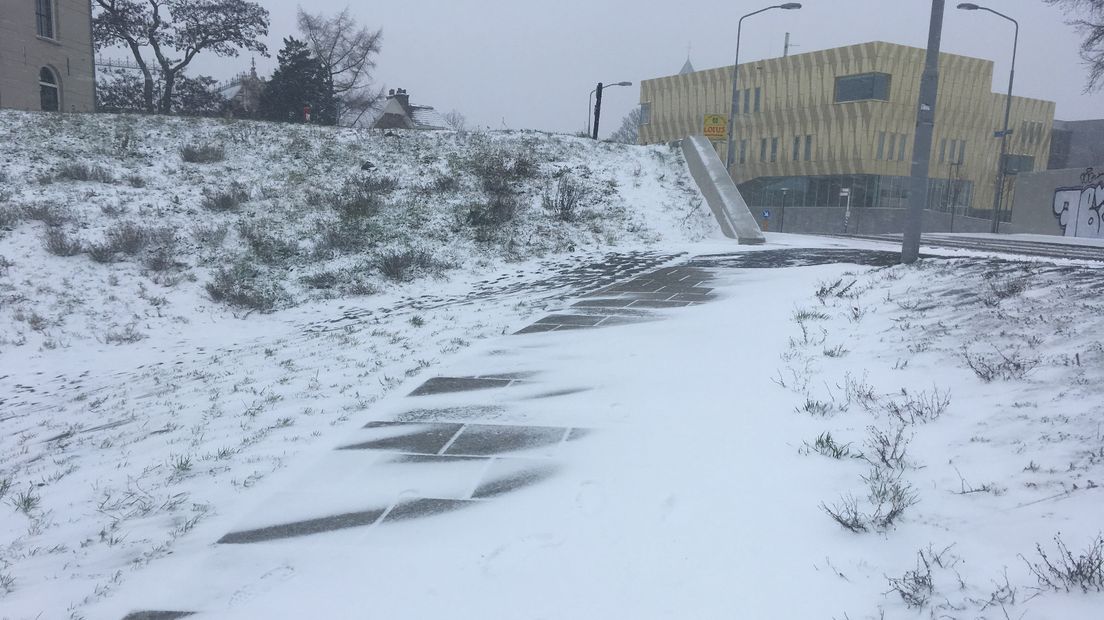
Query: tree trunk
[147,90]
[166,94]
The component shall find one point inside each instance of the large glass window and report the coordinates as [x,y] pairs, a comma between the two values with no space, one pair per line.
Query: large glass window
[762,149]
[892,146]
[808,147]
[797,148]
[774,149]
[743,151]
[44,18]
[880,152]
[901,154]
[646,113]
[862,87]
[50,97]
[758,93]
[747,98]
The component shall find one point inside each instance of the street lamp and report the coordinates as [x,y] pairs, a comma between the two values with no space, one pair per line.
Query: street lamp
[1003,134]
[789,6]
[598,107]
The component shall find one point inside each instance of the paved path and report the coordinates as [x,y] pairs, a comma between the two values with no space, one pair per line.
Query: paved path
[1055,249]
[468,440]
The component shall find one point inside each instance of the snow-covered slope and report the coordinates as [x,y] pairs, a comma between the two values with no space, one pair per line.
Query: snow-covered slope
[107,233]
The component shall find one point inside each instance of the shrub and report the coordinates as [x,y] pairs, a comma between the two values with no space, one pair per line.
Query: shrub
[79,171]
[919,407]
[202,153]
[916,586]
[128,238]
[129,335]
[245,286]
[59,243]
[888,497]
[565,202]
[446,183]
[102,252]
[135,180]
[10,215]
[266,246]
[499,171]
[826,445]
[321,280]
[887,449]
[212,235]
[225,200]
[48,214]
[402,265]
[495,213]
[162,258]
[362,196]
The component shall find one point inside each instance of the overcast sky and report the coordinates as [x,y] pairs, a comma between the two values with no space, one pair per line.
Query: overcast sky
[531,64]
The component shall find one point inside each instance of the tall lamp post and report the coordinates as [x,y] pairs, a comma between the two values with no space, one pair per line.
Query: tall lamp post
[970,6]
[731,156]
[596,110]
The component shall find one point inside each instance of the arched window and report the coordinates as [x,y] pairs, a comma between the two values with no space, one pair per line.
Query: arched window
[49,90]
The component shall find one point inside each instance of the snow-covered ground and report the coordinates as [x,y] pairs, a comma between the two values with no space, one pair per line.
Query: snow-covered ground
[963,397]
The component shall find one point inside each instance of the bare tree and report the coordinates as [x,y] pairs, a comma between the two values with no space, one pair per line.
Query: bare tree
[456,121]
[177,27]
[347,50]
[629,130]
[1088,18]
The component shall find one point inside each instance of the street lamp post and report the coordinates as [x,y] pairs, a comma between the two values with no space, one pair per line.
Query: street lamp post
[731,154]
[999,189]
[590,104]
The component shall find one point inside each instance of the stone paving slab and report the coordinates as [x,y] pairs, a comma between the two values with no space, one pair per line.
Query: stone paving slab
[416,438]
[506,477]
[489,439]
[442,385]
[303,528]
[426,507]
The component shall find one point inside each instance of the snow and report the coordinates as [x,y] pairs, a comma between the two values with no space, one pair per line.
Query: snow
[694,492]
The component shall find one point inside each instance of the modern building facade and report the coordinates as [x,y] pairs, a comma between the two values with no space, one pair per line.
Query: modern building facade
[1077,144]
[46,55]
[816,130]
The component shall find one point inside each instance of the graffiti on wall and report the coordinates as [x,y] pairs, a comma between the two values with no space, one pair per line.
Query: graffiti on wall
[1079,209]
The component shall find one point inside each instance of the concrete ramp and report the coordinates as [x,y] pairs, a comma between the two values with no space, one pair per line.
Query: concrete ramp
[720,192]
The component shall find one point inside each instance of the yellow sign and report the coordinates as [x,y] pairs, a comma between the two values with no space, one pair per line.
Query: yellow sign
[715,126]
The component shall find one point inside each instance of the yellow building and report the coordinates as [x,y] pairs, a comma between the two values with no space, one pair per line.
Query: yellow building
[810,125]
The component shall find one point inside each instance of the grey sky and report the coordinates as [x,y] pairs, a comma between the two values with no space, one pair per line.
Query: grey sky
[525,64]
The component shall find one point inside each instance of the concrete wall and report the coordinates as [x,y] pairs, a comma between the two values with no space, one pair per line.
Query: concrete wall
[720,192]
[1066,202]
[23,54]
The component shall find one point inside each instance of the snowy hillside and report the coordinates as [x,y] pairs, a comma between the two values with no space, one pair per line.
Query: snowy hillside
[113,227]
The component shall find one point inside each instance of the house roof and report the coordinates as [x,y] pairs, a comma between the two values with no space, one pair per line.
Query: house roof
[425,117]
[686,68]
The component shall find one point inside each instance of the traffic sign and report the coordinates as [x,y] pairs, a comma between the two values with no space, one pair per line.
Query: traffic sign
[766,214]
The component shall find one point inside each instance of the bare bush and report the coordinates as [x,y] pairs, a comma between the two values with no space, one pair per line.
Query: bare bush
[10,215]
[815,407]
[211,235]
[1067,572]
[102,252]
[846,512]
[363,196]
[135,180]
[80,171]
[859,391]
[915,587]
[887,448]
[244,285]
[227,199]
[202,153]
[401,266]
[835,289]
[500,171]
[919,407]
[161,258]
[493,214]
[128,238]
[128,335]
[59,243]
[890,496]
[564,203]
[1006,366]
[48,214]
[265,244]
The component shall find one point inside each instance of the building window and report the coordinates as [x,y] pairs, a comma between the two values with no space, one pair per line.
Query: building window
[808,147]
[862,87]
[646,113]
[943,150]
[951,153]
[961,152]
[44,18]
[892,146]
[743,151]
[797,148]
[49,92]
[758,92]
[762,149]
[774,149]
[747,98]
[901,145]
[880,153]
